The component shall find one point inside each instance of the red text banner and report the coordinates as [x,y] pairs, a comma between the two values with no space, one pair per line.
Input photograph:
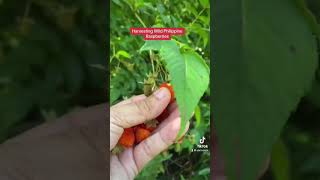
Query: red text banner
[157,33]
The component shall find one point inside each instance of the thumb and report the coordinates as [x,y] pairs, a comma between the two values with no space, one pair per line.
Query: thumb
[134,113]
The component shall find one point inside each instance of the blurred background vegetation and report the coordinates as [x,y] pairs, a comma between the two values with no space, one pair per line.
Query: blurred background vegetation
[296,156]
[129,68]
[49,54]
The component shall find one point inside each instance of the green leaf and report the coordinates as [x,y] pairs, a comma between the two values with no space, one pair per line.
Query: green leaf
[189,74]
[197,115]
[197,28]
[153,168]
[114,94]
[265,61]
[181,177]
[280,163]
[123,54]
[309,16]
[204,172]
[205,20]
[204,3]
[191,9]
[117,2]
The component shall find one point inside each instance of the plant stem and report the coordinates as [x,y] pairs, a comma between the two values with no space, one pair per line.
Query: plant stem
[151,58]
[140,20]
[197,16]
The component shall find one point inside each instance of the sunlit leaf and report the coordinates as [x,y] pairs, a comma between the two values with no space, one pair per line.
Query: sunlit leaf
[189,74]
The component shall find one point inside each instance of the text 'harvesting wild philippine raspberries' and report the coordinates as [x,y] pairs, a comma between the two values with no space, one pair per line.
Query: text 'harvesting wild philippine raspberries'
[157,33]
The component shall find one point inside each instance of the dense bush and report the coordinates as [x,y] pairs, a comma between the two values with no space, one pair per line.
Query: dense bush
[49,54]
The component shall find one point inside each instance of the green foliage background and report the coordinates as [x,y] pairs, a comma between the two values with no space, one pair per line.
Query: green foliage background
[129,68]
[296,155]
[265,61]
[49,51]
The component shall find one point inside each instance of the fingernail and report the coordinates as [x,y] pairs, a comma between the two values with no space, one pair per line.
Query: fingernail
[161,93]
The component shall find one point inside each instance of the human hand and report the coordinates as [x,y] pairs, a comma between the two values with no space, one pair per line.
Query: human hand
[71,147]
[134,111]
